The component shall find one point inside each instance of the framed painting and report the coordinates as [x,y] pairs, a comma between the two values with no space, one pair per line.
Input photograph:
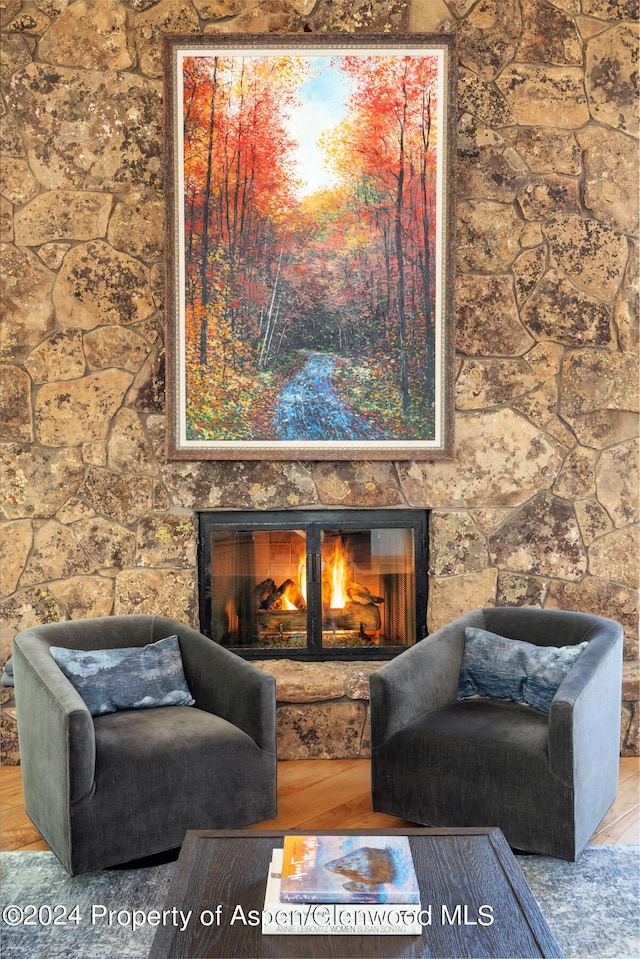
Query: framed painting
[310,253]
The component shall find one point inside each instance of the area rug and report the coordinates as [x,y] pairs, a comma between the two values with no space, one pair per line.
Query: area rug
[591,905]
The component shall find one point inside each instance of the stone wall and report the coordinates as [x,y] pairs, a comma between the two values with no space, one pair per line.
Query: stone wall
[539,505]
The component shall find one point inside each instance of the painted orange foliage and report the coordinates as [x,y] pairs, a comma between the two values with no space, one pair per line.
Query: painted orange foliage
[271,273]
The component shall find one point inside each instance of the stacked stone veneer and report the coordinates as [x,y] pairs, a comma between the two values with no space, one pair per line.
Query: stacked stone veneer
[539,504]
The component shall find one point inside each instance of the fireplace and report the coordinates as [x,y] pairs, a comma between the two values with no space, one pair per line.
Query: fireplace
[318,584]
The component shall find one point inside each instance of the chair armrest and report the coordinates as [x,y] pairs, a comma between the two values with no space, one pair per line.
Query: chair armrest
[420,679]
[230,687]
[55,728]
[584,719]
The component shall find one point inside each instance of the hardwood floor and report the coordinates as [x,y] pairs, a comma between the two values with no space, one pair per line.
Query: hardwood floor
[321,794]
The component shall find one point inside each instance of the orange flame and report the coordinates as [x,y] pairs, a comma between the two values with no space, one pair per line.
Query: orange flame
[231,614]
[337,577]
[302,583]
[302,575]
[338,571]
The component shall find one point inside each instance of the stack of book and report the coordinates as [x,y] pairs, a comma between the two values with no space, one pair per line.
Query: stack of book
[342,885]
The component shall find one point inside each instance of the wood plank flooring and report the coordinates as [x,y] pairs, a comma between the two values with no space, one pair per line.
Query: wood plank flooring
[326,794]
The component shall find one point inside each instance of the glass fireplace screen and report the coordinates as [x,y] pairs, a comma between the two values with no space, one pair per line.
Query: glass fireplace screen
[315,584]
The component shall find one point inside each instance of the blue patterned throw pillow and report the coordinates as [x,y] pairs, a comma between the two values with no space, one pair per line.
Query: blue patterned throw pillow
[499,668]
[138,677]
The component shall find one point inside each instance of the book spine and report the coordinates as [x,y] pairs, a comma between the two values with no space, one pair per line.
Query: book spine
[371,899]
[275,930]
[340,919]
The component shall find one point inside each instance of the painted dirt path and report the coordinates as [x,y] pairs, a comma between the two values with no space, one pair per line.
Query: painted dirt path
[310,409]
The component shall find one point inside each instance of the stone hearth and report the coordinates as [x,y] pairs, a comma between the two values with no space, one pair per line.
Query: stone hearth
[323,708]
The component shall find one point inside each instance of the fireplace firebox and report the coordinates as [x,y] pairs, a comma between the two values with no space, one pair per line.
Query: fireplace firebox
[319,584]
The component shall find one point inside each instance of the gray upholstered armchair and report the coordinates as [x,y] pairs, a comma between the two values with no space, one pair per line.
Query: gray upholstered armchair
[546,779]
[107,789]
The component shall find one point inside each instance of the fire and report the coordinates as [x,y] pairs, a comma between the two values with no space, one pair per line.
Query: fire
[338,572]
[302,583]
[336,577]
[302,575]
[230,611]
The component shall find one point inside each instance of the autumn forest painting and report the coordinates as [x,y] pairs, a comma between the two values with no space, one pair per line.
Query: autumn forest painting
[310,213]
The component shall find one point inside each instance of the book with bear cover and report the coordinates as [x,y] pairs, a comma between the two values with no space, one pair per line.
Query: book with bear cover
[348,869]
[343,919]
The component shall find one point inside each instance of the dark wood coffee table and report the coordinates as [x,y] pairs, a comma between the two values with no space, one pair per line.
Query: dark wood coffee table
[467,868]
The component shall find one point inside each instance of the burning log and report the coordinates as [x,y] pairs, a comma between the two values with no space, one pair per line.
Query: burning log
[354,616]
[282,608]
[288,592]
[360,594]
[293,595]
[268,596]
[288,620]
[262,592]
